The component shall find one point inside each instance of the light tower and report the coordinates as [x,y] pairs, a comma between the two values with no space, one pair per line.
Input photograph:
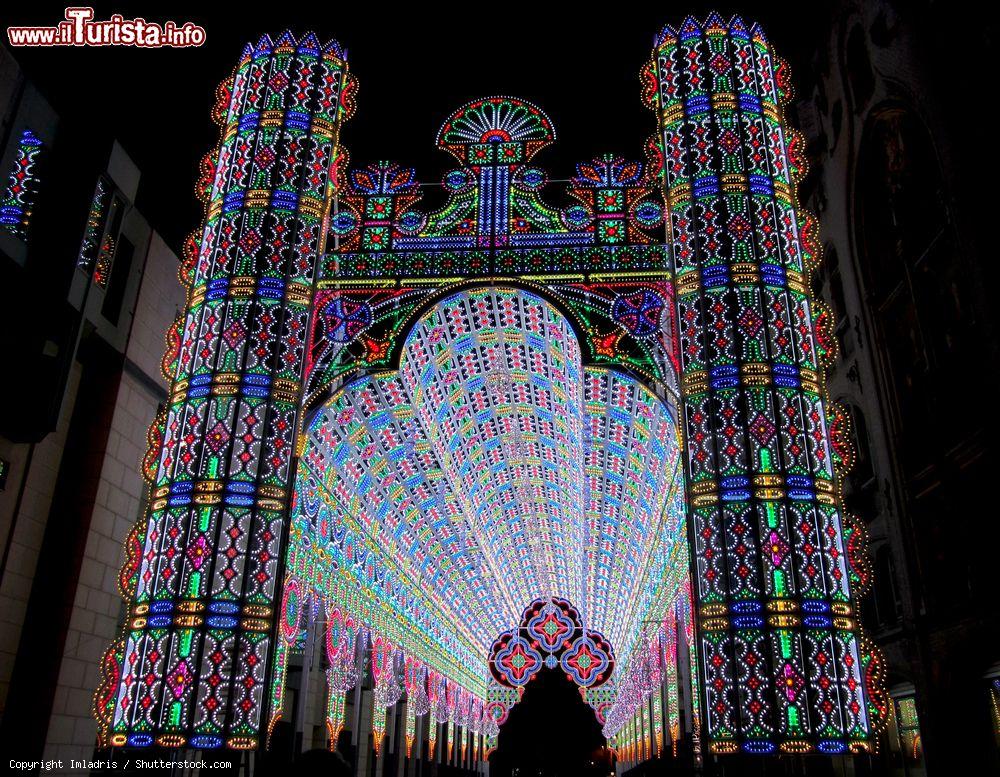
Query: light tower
[783,664]
[203,578]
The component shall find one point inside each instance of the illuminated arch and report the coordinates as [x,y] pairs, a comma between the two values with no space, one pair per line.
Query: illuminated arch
[491,470]
[552,294]
[300,278]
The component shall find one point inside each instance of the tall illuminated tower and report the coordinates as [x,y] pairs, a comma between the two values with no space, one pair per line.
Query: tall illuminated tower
[197,640]
[779,651]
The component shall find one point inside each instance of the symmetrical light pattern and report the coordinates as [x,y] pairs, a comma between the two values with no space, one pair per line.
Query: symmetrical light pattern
[490,480]
[491,470]
[197,641]
[22,186]
[779,648]
[598,256]
[550,634]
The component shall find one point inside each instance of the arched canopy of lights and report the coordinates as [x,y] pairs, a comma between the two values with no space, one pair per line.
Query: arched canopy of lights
[494,506]
[483,489]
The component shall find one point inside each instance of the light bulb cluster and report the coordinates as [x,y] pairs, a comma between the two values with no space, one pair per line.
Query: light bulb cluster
[18,200]
[492,467]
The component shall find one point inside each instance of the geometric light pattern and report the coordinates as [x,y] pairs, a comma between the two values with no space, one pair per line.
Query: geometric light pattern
[22,187]
[490,471]
[491,477]
[495,222]
[550,635]
[779,643]
[197,639]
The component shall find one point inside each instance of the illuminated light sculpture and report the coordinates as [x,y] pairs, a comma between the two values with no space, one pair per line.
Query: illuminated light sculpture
[551,628]
[779,646]
[341,673]
[491,478]
[386,258]
[22,186]
[417,703]
[492,466]
[197,639]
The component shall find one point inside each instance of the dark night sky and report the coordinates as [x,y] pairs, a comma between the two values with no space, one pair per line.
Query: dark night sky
[415,65]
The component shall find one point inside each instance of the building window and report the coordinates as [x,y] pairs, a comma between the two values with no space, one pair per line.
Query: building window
[94,230]
[908,727]
[904,732]
[887,605]
[22,187]
[859,67]
[863,464]
[861,486]
[121,269]
[109,245]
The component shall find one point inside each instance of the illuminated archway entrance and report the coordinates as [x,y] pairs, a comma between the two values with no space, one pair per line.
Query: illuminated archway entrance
[492,393]
[492,469]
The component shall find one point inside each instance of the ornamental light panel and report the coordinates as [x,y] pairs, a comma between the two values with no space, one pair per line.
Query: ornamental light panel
[503,437]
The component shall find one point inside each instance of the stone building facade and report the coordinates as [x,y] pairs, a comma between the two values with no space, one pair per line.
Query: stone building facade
[897,182]
[82,339]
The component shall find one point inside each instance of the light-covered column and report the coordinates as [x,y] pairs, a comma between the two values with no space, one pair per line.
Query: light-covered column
[197,641]
[779,647]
